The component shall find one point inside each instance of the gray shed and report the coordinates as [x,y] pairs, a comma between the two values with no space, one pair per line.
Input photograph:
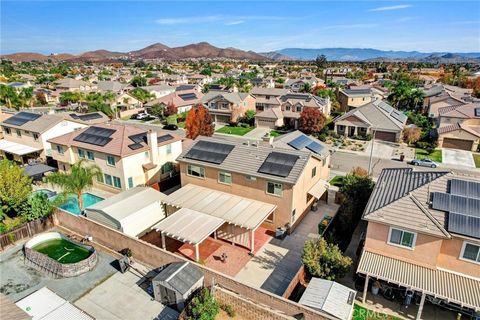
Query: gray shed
[174,285]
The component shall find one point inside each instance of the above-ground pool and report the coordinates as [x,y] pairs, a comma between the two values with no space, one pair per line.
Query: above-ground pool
[71,205]
[59,256]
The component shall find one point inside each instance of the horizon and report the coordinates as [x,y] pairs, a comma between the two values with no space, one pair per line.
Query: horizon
[49,27]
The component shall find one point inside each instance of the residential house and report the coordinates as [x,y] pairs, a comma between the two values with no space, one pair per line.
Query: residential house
[86,119]
[227,107]
[199,79]
[159,90]
[296,85]
[184,100]
[354,98]
[128,156]
[111,86]
[375,118]
[423,235]
[26,135]
[459,127]
[69,84]
[288,111]
[127,105]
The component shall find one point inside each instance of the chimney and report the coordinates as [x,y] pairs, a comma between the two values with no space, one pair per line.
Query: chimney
[153,144]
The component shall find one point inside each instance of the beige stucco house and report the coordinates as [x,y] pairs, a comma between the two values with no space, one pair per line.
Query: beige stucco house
[226,107]
[354,98]
[459,127]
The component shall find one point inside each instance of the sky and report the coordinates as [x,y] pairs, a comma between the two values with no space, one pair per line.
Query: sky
[261,26]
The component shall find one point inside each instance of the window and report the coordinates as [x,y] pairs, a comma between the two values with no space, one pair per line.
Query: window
[130,182]
[19,133]
[274,188]
[60,149]
[167,167]
[108,179]
[402,238]
[81,153]
[314,172]
[299,109]
[287,108]
[111,161]
[251,178]
[7,130]
[169,149]
[225,177]
[100,178]
[35,136]
[470,252]
[117,183]
[196,171]
[90,155]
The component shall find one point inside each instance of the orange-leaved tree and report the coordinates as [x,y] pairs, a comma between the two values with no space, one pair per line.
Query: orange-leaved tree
[171,109]
[198,122]
[312,120]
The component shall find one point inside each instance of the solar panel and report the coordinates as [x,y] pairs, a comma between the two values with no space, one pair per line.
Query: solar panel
[278,164]
[164,138]
[96,136]
[455,203]
[465,188]
[21,118]
[135,146]
[208,151]
[98,131]
[477,112]
[464,224]
[74,116]
[90,116]
[139,138]
[384,106]
[300,142]
[441,201]
[315,147]
[188,96]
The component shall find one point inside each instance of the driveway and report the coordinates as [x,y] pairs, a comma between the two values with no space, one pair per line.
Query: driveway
[456,157]
[257,133]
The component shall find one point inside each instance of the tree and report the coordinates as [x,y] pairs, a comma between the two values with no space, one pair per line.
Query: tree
[15,187]
[141,94]
[139,81]
[40,97]
[79,179]
[249,117]
[203,306]
[325,260]
[411,135]
[9,96]
[321,61]
[311,120]
[38,206]
[157,110]
[171,109]
[306,88]
[198,122]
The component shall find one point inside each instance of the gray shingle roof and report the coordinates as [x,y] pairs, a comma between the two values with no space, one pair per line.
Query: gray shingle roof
[180,275]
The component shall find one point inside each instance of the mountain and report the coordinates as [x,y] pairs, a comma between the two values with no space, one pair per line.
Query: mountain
[154,51]
[360,54]
[273,55]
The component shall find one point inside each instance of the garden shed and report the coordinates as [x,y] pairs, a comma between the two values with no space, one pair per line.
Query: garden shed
[175,283]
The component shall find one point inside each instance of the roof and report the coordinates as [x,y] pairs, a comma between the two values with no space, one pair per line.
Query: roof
[86,118]
[16,148]
[119,142]
[44,304]
[71,83]
[178,98]
[318,189]
[258,91]
[330,297]
[189,226]
[358,92]
[247,159]
[463,111]
[305,99]
[36,169]
[283,141]
[40,124]
[377,114]
[233,97]
[457,127]
[114,86]
[236,210]
[11,311]
[180,275]
[439,283]
[270,113]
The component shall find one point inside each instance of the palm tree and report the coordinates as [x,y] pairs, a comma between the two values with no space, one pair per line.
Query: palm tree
[79,179]
[306,87]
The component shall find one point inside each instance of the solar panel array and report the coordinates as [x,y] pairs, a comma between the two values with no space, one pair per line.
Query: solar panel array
[164,138]
[208,151]
[139,137]
[278,164]
[305,142]
[21,118]
[135,146]
[96,136]
[399,116]
[86,117]
[188,96]
[465,188]
[384,106]
[477,112]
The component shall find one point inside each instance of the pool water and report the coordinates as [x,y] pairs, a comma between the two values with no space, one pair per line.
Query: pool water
[63,251]
[71,205]
[47,192]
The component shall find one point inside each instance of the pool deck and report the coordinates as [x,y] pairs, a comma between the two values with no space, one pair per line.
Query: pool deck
[97,192]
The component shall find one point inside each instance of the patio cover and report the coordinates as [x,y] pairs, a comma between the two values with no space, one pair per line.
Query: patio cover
[441,284]
[318,189]
[189,225]
[236,210]
[16,148]
[36,169]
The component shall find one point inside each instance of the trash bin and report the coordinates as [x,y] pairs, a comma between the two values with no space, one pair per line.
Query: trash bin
[402,157]
[280,233]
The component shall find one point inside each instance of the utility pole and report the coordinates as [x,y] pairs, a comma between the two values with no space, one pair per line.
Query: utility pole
[371,153]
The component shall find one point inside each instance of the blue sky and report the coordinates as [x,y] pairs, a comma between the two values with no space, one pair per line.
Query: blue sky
[69,26]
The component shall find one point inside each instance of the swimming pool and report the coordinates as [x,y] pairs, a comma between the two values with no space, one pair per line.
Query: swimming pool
[48,192]
[71,205]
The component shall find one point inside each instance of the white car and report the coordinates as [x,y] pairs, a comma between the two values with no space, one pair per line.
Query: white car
[424,163]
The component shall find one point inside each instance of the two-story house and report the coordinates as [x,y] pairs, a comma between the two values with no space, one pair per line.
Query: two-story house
[354,98]
[26,135]
[459,127]
[297,85]
[128,156]
[423,234]
[69,84]
[184,100]
[227,107]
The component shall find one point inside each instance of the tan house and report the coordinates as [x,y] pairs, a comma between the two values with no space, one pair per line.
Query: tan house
[354,98]
[423,234]
[26,135]
[459,127]
[226,107]
[184,100]
[69,84]
[128,156]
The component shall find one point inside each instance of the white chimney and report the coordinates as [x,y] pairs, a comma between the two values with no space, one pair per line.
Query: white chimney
[153,144]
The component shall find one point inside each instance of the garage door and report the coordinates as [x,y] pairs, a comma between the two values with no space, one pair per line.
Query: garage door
[385,136]
[457,144]
[222,119]
[264,123]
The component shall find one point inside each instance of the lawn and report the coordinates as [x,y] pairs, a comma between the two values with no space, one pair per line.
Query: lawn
[423,154]
[362,313]
[476,158]
[238,131]
[337,181]
[274,133]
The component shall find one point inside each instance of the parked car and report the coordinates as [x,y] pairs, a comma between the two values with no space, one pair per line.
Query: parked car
[424,163]
[170,127]
[142,116]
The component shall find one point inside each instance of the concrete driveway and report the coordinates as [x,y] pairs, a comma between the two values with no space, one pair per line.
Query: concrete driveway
[257,133]
[456,157]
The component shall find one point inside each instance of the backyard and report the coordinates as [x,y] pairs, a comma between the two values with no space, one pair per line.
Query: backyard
[436,155]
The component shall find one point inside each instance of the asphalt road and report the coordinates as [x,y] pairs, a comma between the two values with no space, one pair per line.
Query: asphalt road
[343,162]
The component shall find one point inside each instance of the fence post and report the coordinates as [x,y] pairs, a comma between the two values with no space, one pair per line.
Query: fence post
[28,229]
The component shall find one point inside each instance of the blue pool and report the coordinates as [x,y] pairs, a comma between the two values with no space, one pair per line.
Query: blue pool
[48,192]
[72,204]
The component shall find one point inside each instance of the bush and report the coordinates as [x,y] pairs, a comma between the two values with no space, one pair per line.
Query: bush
[228,309]
[203,306]
[322,137]
[38,207]
[126,252]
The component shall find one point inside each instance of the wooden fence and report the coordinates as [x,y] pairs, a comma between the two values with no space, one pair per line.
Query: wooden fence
[26,230]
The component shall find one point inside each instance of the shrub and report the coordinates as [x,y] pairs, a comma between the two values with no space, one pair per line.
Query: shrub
[38,207]
[228,309]
[203,306]
[126,252]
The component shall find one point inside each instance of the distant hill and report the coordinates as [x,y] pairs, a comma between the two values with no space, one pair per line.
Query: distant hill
[154,51]
[276,56]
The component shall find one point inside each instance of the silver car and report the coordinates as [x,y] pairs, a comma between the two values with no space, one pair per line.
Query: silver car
[424,163]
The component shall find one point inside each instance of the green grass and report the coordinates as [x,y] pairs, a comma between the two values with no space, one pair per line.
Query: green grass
[476,158]
[238,131]
[181,124]
[362,313]
[274,133]
[436,155]
[337,181]
[172,119]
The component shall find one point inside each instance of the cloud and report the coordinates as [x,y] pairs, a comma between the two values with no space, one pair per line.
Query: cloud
[405,19]
[351,26]
[235,22]
[227,20]
[389,8]
[201,19]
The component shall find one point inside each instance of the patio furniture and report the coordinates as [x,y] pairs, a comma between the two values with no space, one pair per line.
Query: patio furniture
[280,233]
